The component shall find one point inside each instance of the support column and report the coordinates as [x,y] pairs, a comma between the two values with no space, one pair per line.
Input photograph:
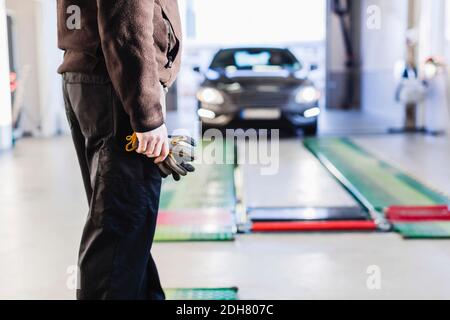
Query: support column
[383,47]
[343,71]
[5,94]
[435,115]
[412,58]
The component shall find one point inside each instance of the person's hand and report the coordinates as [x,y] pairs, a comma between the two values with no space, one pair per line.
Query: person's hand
[154,144]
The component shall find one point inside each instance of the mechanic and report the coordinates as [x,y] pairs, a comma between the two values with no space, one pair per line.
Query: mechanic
[120,56]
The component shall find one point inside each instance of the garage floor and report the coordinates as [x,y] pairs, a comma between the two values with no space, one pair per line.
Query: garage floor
[43,210]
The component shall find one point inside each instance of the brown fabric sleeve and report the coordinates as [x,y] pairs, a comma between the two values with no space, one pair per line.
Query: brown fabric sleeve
[126,32]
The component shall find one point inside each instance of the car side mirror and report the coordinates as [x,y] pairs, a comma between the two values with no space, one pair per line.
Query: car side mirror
[313,67]
[196,69]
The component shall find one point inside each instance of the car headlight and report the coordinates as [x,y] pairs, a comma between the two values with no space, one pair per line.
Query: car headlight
[205,113]
[311,113]
[210,96]
[307,94]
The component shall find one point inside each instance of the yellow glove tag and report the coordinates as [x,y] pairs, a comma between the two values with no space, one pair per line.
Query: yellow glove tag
[132,143]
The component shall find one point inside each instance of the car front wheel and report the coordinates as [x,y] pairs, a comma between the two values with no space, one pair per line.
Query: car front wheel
[310,130]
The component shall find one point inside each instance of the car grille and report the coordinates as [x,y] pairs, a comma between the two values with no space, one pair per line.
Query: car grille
[260,99]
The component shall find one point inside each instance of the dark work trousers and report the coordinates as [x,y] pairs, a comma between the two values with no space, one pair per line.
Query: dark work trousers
[123,192]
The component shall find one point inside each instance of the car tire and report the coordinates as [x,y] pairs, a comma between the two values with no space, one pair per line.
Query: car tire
[204,127]
[310,130]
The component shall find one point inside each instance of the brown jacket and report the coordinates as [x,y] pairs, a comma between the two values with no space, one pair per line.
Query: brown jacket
[136,42]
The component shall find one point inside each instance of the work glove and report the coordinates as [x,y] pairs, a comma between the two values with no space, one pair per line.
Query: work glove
[181,152]
[177,162]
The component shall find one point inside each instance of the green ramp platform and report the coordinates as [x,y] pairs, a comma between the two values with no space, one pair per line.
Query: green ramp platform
[376,184]
[201,206]
[211,186]
[195,225]
[220,294]
[424,230]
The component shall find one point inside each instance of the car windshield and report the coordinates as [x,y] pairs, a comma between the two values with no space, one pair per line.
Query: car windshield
[255,59]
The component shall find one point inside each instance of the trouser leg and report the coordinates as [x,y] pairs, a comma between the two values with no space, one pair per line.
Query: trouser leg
[79,143]
[125,188]
[154,290]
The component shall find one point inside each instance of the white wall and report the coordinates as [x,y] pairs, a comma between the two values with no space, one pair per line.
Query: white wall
[37,51]
[49,57]
[5,95]
[231,22]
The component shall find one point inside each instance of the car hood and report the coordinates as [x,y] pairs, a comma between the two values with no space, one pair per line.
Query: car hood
[275,74]
[249,78]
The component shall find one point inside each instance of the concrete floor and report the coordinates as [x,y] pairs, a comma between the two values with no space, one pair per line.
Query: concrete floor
[301,181]
[43,209]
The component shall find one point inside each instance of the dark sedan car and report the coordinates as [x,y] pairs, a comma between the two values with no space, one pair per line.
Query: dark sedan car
[254,84]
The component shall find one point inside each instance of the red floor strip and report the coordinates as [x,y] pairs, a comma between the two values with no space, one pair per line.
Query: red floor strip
[418,214]
[314,226]
[196,217]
